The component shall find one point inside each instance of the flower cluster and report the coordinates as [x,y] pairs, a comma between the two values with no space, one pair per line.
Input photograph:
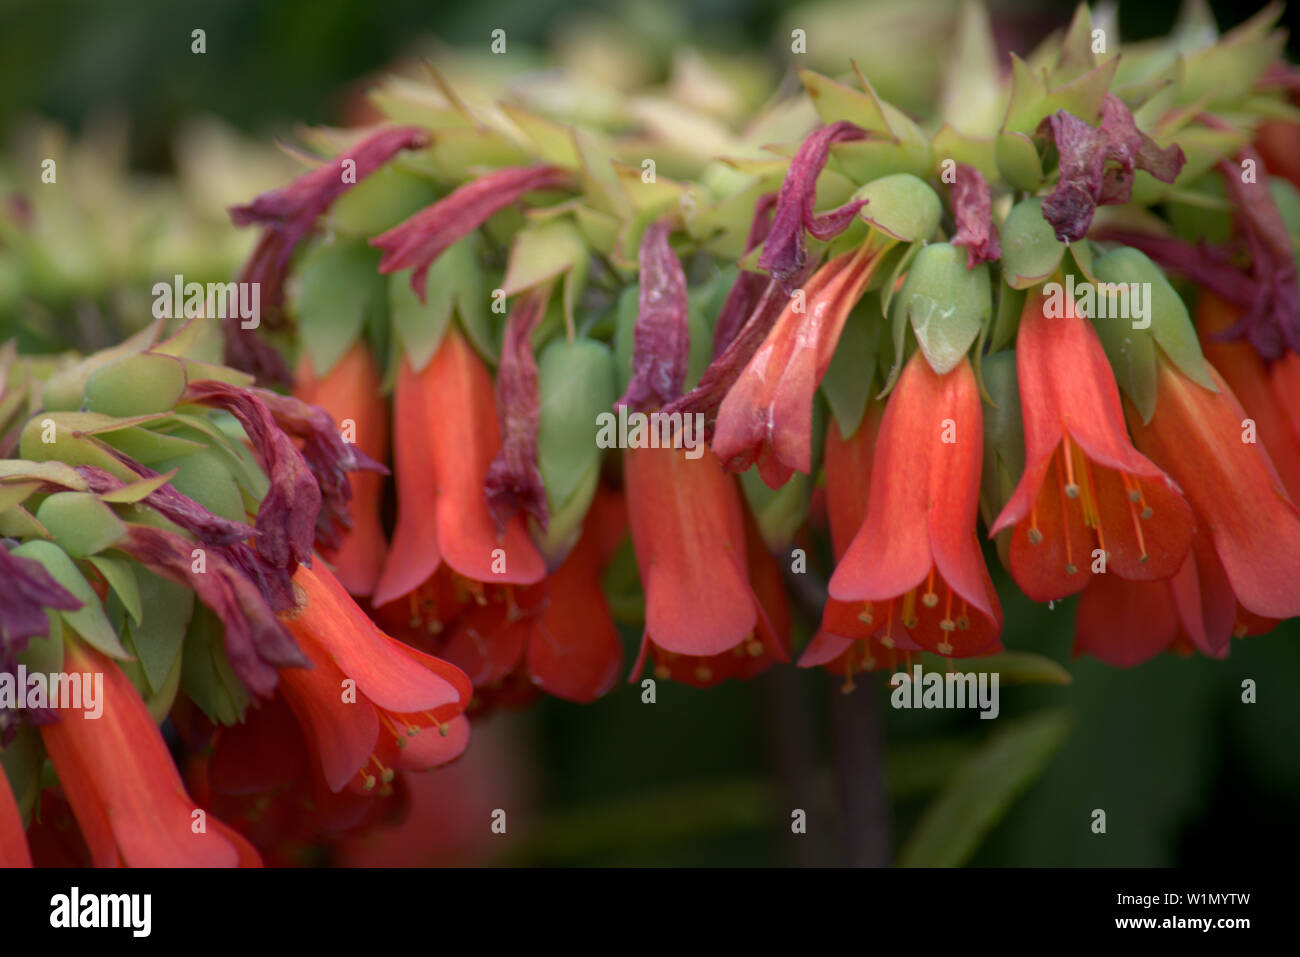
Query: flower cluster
[1053,349]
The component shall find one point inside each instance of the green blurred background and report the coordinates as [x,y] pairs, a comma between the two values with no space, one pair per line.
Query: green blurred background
[1186,772]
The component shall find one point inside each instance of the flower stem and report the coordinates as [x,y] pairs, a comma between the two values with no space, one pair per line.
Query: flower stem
[859,758]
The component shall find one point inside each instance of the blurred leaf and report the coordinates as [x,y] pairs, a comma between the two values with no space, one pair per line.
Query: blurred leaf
[982,791]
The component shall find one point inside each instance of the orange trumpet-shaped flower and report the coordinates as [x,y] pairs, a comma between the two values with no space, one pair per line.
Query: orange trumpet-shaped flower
[349,392]
[123,788]
[1202,439]
[850,639]
[13,842]
[1248,377]
[369,703]
[766,417]
[574,651]
[1285,380]
[445,436]
[1124,623]
[915,562]
[689,534]
[1085,491]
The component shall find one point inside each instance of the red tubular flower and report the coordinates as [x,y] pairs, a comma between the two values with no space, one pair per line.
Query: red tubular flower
[574,651]
[420,240]
[851,639]
[446,435]
[1248,377]
[1124,623]
[1198,435]
[125,791]
[262,777]
[13,842]
[688,529]
[767,415]
[1284,378]
[1085,486]
[401,709]
[915,561]
[350,392]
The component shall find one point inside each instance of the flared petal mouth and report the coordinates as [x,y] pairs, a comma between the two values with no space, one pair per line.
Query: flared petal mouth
[1125,623]
[328,618]
[1089,520]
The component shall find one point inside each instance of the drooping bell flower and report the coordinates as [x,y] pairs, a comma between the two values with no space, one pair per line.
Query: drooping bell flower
[514,482]
[288,215]
[1248,377]
[766,418]
[350,393]
[369,703]
[1284,377]
[1086,493]
[785,250]
[445,436]
[13,841]
[574,651]
[850,638]
[263,778]
[915,562]
[688,531]
[972,209]
[1097,165]
[417,242]
[1203,440]
[125,791]
[1125,623]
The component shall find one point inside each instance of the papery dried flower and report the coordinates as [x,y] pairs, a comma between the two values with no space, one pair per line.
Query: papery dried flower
[421,239]
[257,644]
[514,481]
[785,251]
[1097,165]
[972,208]
[662,338]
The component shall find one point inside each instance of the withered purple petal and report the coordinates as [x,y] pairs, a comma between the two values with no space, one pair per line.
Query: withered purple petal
[286,518]
[785,251]
[513,480]
[420,240]
[256,642]
[1097,165]
[328,457]
[26,590]
[726,368]
[749,286]
[173,505]
[288,215]
[972,208]
[662,338]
